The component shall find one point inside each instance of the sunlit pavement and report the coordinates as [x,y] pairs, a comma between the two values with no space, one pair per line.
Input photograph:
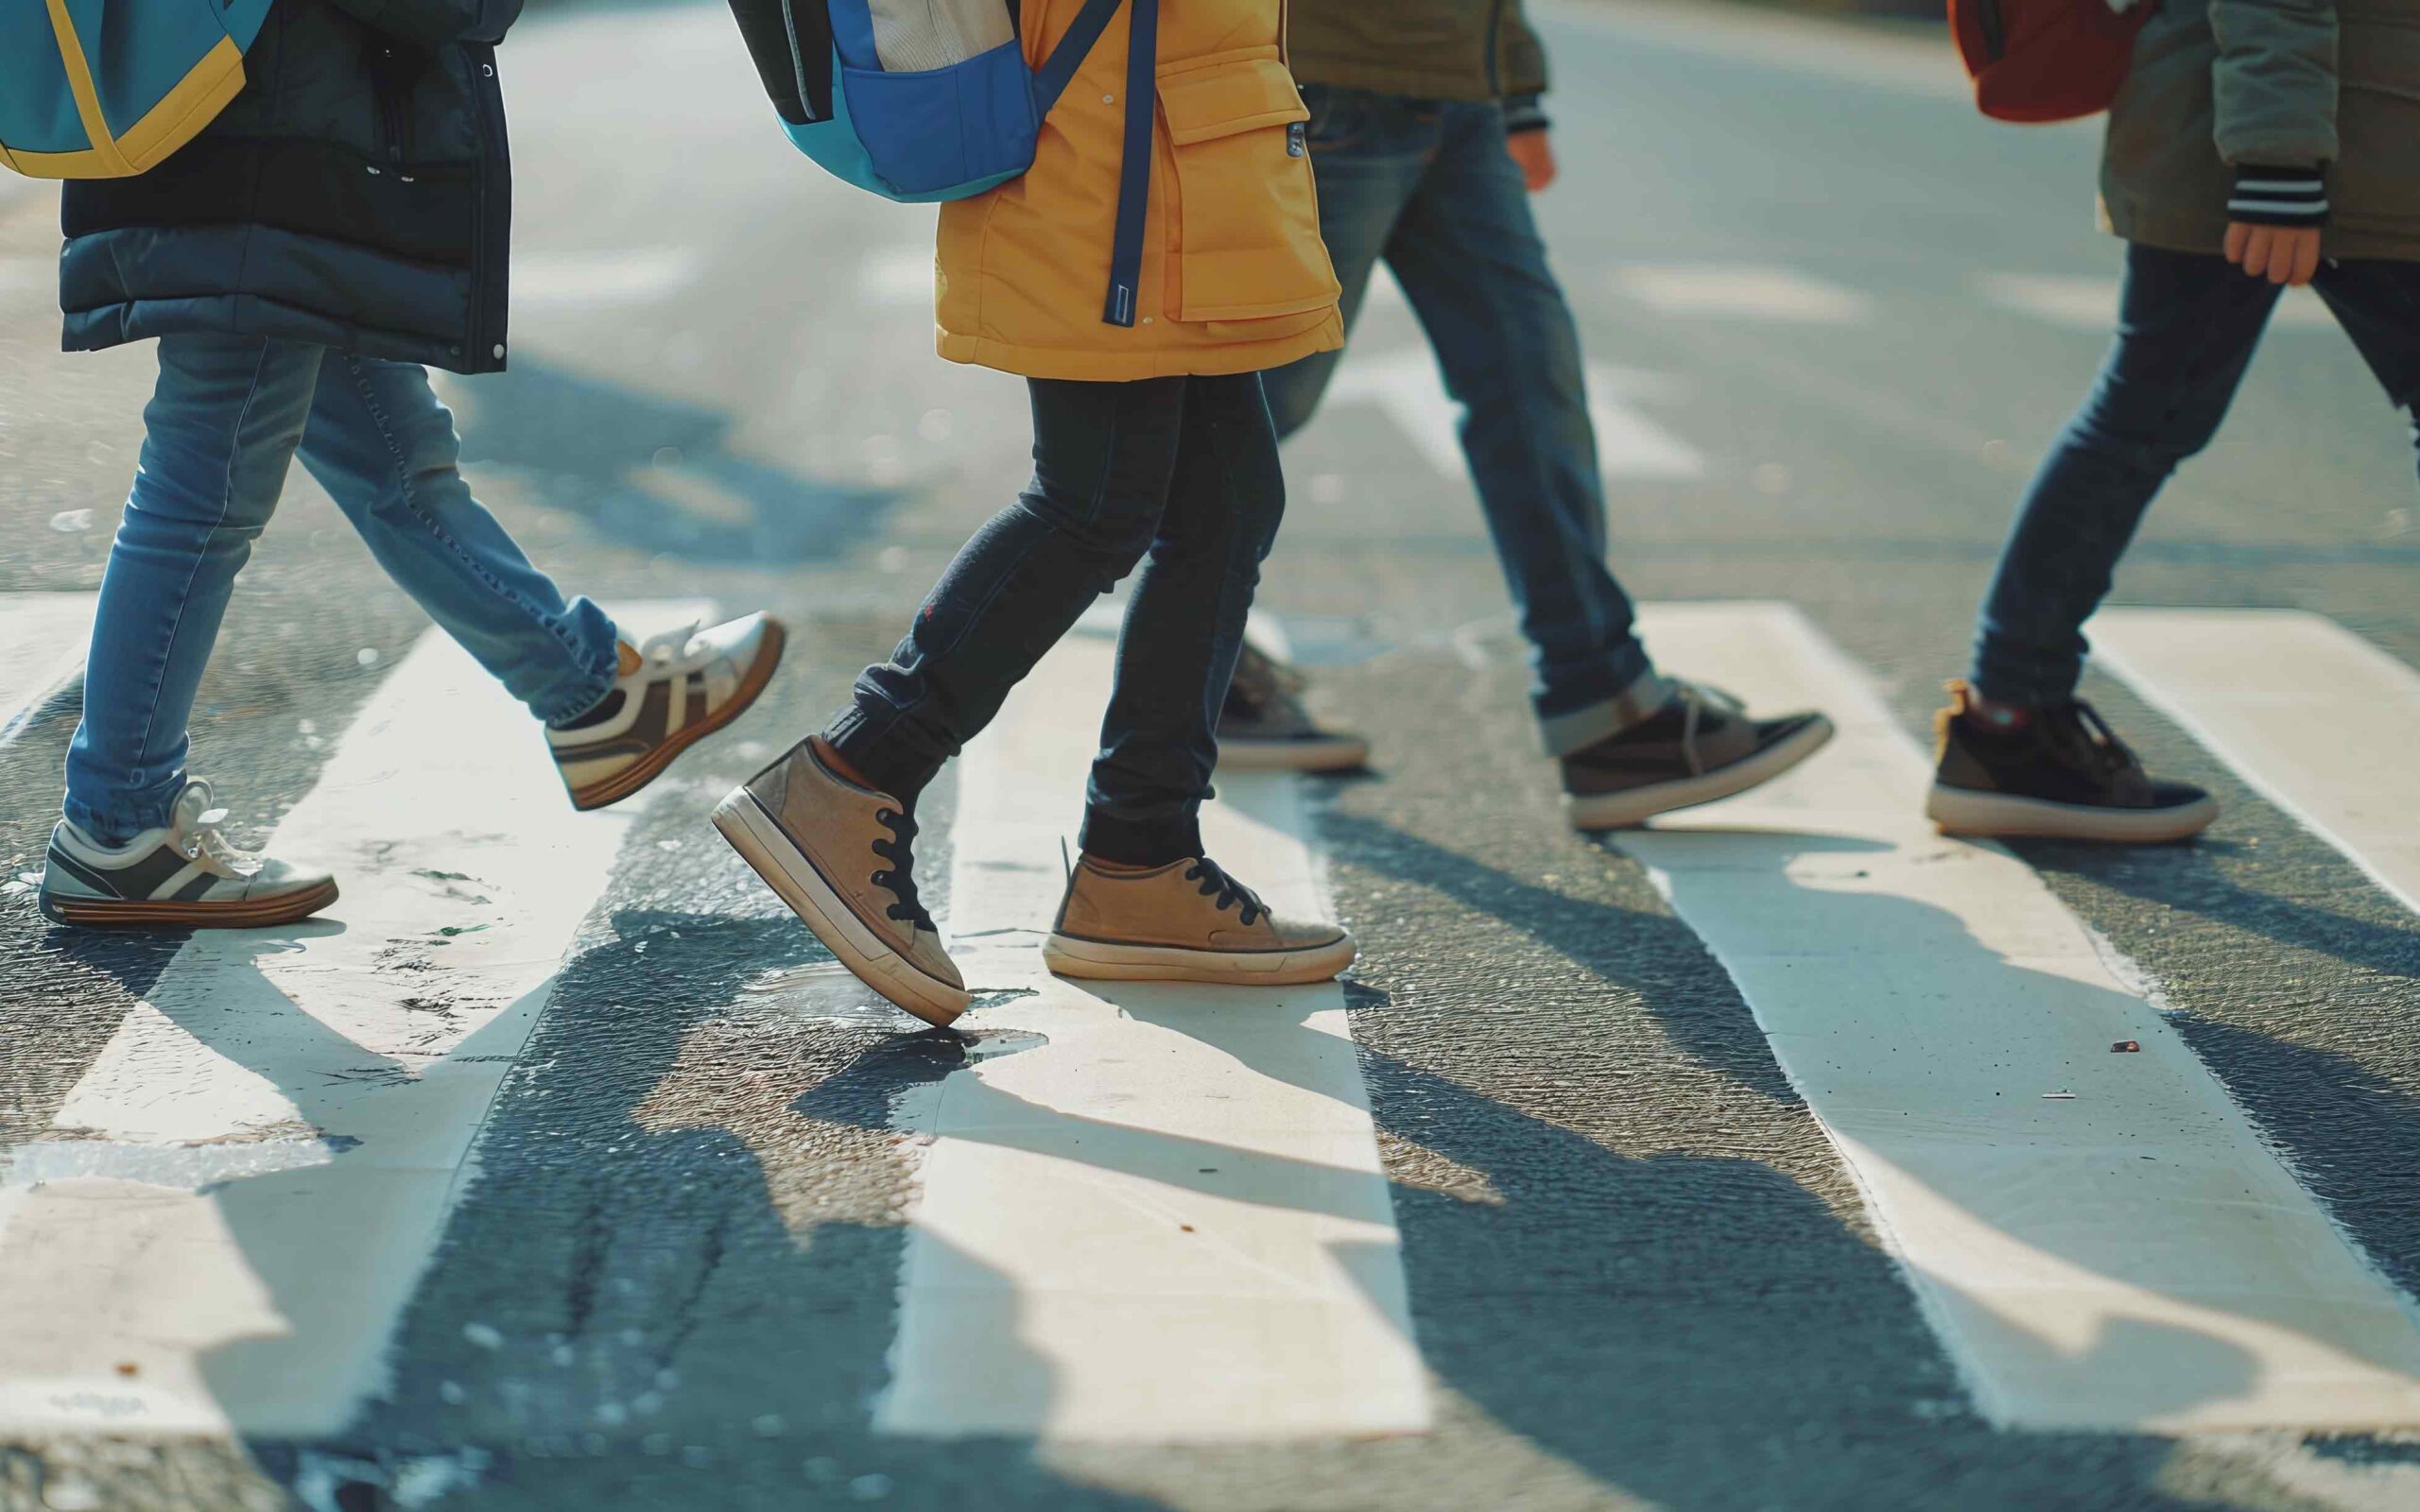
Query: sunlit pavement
[1774,1158]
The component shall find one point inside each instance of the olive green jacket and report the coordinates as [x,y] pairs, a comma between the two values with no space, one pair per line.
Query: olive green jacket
[1424,49]
[2219,85]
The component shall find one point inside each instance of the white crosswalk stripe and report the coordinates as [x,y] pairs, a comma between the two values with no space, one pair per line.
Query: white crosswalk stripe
[1199,1245]
[1405,382]
[2323,723]
[2104,1241]
[245,1185]
[2089,301]
[49,632]
[1742,292]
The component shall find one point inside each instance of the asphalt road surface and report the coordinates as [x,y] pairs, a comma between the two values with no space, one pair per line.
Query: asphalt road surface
[1774,1160]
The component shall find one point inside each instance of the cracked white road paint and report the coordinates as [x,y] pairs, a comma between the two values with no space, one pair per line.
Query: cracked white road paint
[244,1187]
[2129,1258]
[1167,1224]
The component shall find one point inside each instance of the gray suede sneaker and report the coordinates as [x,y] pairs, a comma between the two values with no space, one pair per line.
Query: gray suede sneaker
[1699,747]
[1263,727]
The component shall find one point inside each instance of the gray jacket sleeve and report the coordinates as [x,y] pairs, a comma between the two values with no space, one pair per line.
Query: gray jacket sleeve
[2274,82]
[434,23]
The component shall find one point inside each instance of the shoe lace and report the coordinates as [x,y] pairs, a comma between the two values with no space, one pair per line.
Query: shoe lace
[1695,700]
[2079,732]
[199,839]
[670,649]
[1229,893]
[899,878]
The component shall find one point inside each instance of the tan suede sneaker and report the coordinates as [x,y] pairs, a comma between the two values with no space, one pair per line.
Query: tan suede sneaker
[1186,922]
[839,854]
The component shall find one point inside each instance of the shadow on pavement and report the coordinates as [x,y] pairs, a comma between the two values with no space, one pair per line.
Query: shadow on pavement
[655,474]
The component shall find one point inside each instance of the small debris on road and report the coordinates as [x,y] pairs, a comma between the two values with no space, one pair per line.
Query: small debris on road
[2059,1097]
[2126,1047]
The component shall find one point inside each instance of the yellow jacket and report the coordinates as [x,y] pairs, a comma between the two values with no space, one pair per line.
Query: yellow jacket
[1235,276]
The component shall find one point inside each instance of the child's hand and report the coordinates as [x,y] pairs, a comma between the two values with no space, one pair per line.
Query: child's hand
[1535,155]
[2281,254]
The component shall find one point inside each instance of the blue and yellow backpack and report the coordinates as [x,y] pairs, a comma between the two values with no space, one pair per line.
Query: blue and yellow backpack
[928,100]
[107,89]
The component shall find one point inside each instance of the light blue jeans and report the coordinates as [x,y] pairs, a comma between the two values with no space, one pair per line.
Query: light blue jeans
[227,416]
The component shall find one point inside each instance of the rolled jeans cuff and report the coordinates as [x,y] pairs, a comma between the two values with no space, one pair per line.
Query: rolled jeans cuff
[1576,730]
[1140,842]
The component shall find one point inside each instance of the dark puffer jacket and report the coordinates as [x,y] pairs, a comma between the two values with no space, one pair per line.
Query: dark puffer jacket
[357,194]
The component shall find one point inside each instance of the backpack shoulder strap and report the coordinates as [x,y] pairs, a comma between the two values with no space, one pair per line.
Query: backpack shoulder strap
[1059,70]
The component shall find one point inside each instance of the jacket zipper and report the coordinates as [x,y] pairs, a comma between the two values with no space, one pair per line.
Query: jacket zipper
[483,90]
[390,110]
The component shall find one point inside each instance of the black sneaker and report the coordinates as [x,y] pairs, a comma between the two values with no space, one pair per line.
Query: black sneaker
[185,875]
[1699,747]
[2061,775]
[1263,727]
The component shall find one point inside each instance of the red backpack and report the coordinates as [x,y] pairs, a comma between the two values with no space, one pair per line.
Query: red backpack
[2046,60]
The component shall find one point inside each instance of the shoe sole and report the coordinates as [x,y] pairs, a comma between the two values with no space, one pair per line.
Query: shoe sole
[762,843]
[1635,806]
[1966,811]
[611,790]
[265,912]
[1100,960]
[1344,753]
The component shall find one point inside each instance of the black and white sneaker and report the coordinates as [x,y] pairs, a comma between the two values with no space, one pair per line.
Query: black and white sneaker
[185,875]
[1263,727]
[1699,747]
[2058,772]
[672,693]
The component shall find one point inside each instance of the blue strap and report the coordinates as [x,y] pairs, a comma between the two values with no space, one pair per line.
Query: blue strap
[1134,171]
[1059,70]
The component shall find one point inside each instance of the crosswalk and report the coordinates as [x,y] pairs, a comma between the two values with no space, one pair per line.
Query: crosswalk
[1202,1246]
[245,1183]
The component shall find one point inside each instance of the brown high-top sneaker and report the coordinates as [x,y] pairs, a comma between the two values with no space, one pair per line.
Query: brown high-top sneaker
[1186,922]
[839,854]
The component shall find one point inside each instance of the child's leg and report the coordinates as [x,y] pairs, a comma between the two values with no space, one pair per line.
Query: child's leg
[2377,303]
[2186,329]
[1185,626]
[1103,455]
[218,435]
[385,450]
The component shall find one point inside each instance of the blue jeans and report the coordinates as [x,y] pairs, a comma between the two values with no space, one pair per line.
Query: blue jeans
[2186,328]
[1178,474]
[227,416]
[1429,186]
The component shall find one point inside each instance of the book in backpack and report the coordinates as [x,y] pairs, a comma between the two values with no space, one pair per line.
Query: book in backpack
[2038,60]
[107,89]
[927,100]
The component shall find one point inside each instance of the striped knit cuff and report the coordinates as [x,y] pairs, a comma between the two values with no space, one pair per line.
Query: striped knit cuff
[2279,197]
[1523,112]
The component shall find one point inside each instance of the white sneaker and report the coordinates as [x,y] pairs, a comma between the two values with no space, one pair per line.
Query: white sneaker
[185,874]
[673,691]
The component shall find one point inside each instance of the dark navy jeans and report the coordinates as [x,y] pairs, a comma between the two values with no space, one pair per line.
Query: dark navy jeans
[2187,327]
[1427,186]
[1178,474]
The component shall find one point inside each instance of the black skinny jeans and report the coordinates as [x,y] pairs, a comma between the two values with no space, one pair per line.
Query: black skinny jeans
[1178,474]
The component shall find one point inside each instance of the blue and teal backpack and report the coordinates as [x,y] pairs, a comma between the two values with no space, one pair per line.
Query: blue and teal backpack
[928,100]
[107,89]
